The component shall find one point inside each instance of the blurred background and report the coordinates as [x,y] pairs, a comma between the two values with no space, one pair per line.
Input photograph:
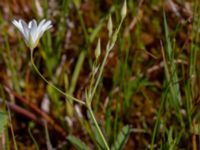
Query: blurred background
[150,81]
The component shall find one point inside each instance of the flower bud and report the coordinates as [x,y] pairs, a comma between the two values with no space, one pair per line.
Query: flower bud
[98,49]
[110,26]
[124,10]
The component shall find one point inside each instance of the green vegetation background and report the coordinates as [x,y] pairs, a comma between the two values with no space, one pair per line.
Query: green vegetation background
[150,81]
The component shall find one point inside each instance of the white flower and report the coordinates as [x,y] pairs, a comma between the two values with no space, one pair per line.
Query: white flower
[31,31]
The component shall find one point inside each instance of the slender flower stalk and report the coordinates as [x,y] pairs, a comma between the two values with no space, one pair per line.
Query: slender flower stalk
[110,45]
[32,33]
[52,85]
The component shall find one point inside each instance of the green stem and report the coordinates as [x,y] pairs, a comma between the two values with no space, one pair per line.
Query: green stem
[108,49]
[100,74]
[83,26]
[89,101]
[155,130]
[110,45]
[60,91]
[98,128]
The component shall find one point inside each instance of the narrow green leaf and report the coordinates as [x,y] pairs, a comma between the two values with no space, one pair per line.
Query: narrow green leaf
[121,138]
[77,3]
[77,143]
[100,144]
[3,121]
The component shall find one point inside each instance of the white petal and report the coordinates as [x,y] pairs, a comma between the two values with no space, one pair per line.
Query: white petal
[25,30]
[18,25]
[33,30]
[47,25]
[41,24]
[31,23]
[39,34]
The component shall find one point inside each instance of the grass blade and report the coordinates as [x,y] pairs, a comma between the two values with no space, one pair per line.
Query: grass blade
[121,138]
[77,143]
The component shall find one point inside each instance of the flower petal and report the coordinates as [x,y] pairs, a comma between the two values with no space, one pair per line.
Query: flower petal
[25,30]
[47,25]
[18,25]
[33,30]
[41,24]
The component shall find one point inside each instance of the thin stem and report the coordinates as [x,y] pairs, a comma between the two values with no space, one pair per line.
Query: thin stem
[83,26]
[48,141]
[108,49]
[33,139]
[100,74]
[98,128]
[11,127]
[60,91]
